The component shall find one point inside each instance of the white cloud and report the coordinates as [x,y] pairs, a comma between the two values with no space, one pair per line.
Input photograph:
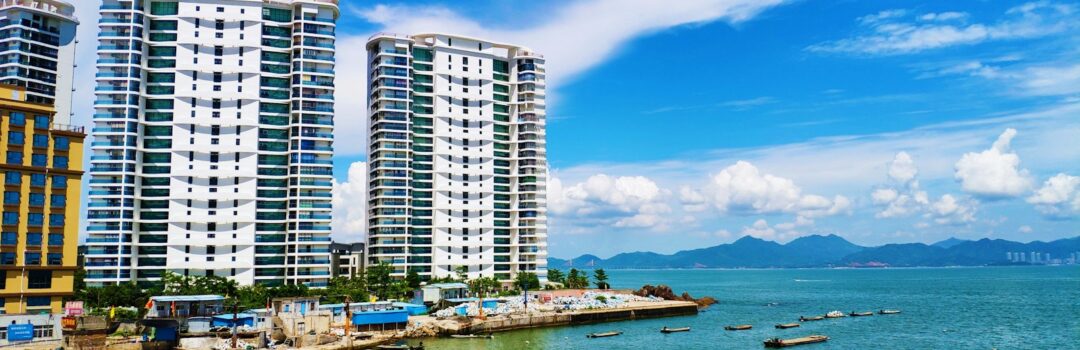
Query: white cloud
[350,205]
[950,210]
[1042,79]
[994,172]
[624,201]
[573,38]
[1058,195]
[902,169]
[760,229]
[1024,229]
[692,200]
[743,189]
[943,16]
[886,34]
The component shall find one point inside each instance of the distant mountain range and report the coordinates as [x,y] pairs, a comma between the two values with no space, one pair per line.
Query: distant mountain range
[825,251]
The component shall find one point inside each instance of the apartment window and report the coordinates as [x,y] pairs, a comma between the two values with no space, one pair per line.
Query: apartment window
[7,258]
[58,201]
[219,51]
[17,119]
[211,250]
[33,238]
[40,141]
[11,198]
[60,143]
[11,218]
[41,122]
[14,158]
[217,77]
[59,181]
[12,178]
[219,24]
[56,219]
[216,103]
[37,199]
[197,25]
[213,205]
[60,162]
[54,259]
[39,160]
[215,130]
[16,138]
[32,259]
[9,238]
[220,9]
[39,279]
[214,156]
[37,180]
[55,240]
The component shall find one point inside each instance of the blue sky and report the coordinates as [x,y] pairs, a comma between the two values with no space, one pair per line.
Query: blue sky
[675,125]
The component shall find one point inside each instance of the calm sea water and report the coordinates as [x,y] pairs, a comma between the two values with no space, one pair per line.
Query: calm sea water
[943,308]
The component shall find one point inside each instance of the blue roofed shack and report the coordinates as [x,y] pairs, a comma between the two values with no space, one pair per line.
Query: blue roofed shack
[226,320]
[435,292]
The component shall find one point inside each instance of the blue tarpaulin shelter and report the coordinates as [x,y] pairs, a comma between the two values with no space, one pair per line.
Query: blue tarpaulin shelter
[226,320]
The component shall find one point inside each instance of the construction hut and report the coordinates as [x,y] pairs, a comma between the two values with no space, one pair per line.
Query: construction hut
[379,319]
[432,294]
[301,315]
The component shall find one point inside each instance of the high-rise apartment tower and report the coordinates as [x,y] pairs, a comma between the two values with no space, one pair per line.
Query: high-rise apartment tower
[212,141]
[457,162]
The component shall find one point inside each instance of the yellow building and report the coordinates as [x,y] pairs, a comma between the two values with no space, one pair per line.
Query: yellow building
[41,168]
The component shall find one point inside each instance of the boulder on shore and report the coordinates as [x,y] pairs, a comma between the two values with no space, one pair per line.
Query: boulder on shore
[665,292]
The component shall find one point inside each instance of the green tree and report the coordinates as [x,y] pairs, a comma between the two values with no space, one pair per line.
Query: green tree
[483,286]
[340,287]
[527,280]
[556,275]
[412,279]
[577,279]
[462,273]
[601,279]
[379,280]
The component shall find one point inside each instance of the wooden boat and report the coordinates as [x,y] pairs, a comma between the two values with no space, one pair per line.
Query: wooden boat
[674,330]
[472,336]
[603,334]
[787,325]
[811,318]
[783,343]
[888,312]
[858,314]
[835,314]
[741,327]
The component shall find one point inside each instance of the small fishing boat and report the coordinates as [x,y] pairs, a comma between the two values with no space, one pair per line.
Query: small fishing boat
[674,330]
[859,314]
[602,335]
[811,318]
[835,314]
[400,347]
[888,312]
[787,325]
[741,327]
[472,336]
[783,343]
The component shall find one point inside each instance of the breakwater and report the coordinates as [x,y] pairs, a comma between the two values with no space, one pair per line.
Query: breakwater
[632,312]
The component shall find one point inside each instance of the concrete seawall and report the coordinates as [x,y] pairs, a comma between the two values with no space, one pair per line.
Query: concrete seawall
[667,309]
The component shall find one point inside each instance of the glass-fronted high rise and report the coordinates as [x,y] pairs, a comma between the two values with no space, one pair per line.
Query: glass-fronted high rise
[37,51]
[212,141]
[457,161]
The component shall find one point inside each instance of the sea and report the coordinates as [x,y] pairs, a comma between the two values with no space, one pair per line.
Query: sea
[1030,307]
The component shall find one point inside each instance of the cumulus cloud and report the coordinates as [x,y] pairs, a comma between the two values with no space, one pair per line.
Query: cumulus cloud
[887,33]
[994,172]
[692,200]
[950,210]
[743,189]
[902,168]
[350,205]
[760,229]
[623,201]
[1024,229]
[1059,196]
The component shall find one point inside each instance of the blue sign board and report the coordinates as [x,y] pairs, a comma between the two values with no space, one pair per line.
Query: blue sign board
[20,332]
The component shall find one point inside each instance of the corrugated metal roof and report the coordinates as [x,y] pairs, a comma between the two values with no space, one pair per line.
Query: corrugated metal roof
[446,285]
[171,298]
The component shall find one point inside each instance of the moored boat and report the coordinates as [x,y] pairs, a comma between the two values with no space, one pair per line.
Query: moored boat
[674,330]
[811,318]
[858,314]
[741,327]
[888,312]
[472,336]
[400,347]
[782,343]
[787,325]
[602,334]
[835,314]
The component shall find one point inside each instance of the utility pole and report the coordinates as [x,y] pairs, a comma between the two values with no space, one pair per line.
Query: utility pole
[348,322]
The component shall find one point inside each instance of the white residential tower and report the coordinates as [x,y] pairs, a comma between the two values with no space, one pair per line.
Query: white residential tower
[212,141]
[457,160]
